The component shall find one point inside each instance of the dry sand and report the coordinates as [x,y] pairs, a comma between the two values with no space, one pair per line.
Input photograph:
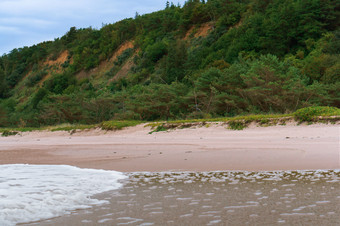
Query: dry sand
[133,149]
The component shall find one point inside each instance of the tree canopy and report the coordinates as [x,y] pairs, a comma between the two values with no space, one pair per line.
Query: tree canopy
[203,59]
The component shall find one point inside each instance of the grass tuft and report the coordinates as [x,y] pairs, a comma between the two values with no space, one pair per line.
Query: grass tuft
[117,125]
[6,133]
[309,115]
[159,128]
[70,127]
[238,124]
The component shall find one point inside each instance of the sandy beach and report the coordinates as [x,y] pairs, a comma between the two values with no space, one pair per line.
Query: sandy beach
[288,147]
[222,186]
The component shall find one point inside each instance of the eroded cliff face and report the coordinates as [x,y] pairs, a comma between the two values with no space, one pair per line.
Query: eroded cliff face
[201,60]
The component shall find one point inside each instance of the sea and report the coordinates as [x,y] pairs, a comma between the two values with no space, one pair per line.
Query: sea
[67,195]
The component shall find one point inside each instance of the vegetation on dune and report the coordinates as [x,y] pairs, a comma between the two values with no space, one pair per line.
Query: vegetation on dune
[206,60]
[117,125]
[309,115]
[7,133]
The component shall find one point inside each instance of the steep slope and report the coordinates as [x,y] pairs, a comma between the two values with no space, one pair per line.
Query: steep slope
[205,59]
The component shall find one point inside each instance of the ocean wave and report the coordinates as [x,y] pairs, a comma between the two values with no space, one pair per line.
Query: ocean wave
[31,193]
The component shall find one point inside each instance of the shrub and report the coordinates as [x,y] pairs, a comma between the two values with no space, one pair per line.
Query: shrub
[237,124]
[159,128]
[156,51]
[310,114]
[59,82]
[123,57]
[66,64]
[117,125]
[42,92]
[7,133]
[35,78]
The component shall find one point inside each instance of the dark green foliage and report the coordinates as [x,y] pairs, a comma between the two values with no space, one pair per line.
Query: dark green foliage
[3,84]
[237,124]
[269,56]
[156,101]
[7,107]
[175,67]
[66,64]
[38,97]
[123,57]
[16,75]
[159,128]
[7,133]
[59,82]
[118,85]
[117,125]
[154,52]
[35,78]
[272,85]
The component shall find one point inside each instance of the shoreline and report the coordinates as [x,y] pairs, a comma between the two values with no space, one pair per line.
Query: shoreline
[220,198]
[212,148]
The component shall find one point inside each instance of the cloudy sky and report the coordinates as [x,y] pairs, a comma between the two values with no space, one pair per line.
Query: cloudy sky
[28,22]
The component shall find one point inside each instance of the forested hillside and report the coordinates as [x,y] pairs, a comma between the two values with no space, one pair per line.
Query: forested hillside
[204,59]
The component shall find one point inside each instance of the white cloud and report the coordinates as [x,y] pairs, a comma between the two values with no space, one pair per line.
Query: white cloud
[31,7]
[10,30]
[56,8]
[28,21]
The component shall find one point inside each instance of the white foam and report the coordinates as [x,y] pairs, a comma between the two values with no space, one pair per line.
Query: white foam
[34,192]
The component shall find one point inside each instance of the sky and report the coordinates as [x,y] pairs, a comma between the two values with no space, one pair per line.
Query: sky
[29,22]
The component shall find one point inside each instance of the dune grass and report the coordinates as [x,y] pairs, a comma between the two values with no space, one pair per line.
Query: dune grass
[117,125]
[309,115]
[235,123]
[69,127]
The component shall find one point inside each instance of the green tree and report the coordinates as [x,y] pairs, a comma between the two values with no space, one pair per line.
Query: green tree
[273,85]
[3,85]
[175,62]
[42,93]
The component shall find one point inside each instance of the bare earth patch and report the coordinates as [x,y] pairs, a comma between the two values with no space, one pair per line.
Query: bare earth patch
[55,65]
[106,64]
[203,31]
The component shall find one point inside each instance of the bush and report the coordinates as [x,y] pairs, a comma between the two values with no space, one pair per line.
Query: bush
[238,124]
[7,133]
[117,125]
[159,128]
[42,92]
[310,114]
[156,51]
[35,78]
[59,82]
[123,57]
[66,64]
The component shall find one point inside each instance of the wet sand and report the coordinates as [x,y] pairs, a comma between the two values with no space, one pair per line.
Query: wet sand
[201,197]
[216,198]
[133,149]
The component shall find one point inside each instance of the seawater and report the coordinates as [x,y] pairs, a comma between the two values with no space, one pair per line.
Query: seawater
[34,192]
[66,195]
[217,198]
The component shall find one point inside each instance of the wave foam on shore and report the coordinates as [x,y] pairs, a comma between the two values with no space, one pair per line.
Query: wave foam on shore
[35,192]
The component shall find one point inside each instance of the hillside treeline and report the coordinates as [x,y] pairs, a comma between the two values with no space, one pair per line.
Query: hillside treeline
[203,59]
